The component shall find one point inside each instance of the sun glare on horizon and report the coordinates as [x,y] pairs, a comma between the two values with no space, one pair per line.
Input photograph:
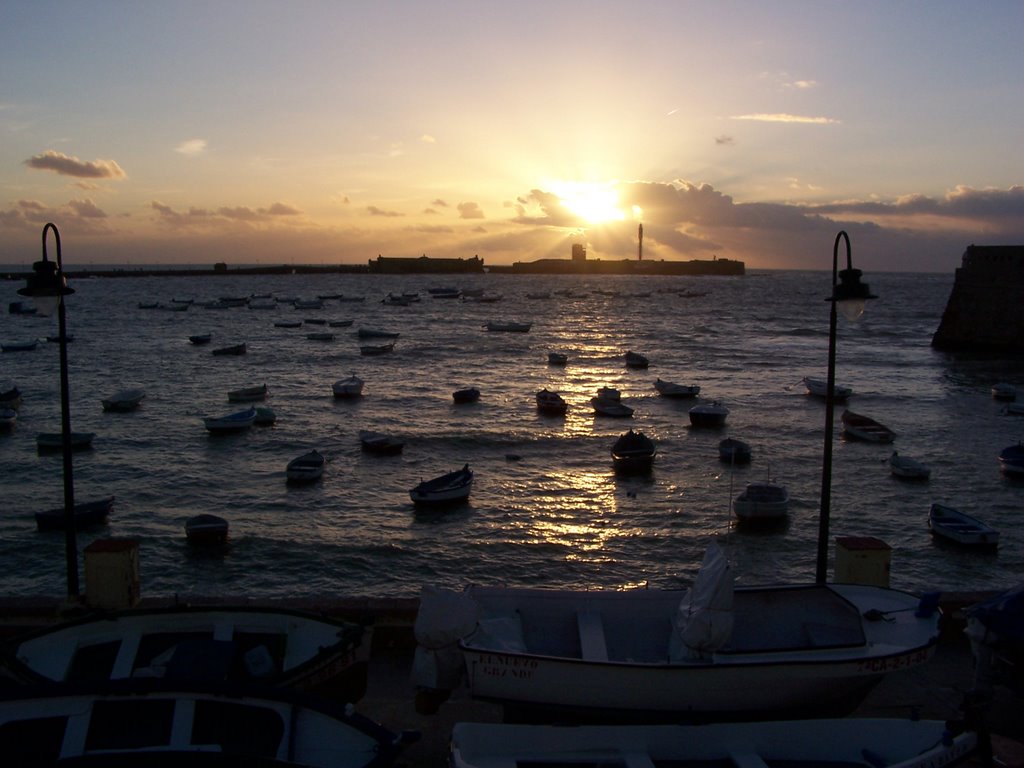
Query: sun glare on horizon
[593,202]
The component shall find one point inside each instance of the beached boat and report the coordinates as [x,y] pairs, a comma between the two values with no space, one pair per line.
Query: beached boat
[466,395]
[86,513]
[199,339]
[350,387]
[1011,460]
[712,650]
[205,529]
[557,358]
[234,349]
[908,468]
[761,501]
[551,403]
[379,443]
[233,422]
[10,395]
[669,389]
[960,527]
[306,468]
[248,394]
[20,346]
[154,724]
[819,388]
[633,452]
[124,400]
[508,327]
[376,349]
[201,644]
[732,450]
[636,360]
[446,489]
[861,427]
[376,333]
[708,415]
[849,742]
[54,441]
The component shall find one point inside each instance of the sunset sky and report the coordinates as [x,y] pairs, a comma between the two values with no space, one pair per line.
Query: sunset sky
[315,132]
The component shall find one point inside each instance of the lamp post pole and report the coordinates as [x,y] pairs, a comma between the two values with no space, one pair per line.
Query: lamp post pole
[46,284]
[851,293]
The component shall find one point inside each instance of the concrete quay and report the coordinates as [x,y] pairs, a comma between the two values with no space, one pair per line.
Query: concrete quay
[935,690]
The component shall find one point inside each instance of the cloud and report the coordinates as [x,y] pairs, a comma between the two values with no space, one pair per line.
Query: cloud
[86,209]
[802,85]
[223,215]
[192,147]
[72,166]
[725,140]
[440,203]
[428,139]
[373,210]
[281,209]
[470,211]
[782,117]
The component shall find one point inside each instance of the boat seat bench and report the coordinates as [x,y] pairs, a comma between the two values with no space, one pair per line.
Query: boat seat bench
[592,642]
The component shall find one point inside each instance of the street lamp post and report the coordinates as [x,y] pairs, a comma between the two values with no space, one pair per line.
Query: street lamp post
[47,287]
[849,296]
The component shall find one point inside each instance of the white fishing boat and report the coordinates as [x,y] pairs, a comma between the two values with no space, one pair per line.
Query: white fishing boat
[551,403]
[670,389]
[711,650]
[908,468]
[124,400]
[380,443]
[146,723]
[350,387]
[708,415]
[961,528]
[849,742]
[761,502]
[200,644]
[819,388]
[248,394]
[446,489]
[233,422]
[633,452]
[306,468]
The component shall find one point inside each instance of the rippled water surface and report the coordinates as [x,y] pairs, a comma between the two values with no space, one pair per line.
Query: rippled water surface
[546,507]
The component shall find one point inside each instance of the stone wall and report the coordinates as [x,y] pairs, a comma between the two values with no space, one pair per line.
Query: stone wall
[985,311]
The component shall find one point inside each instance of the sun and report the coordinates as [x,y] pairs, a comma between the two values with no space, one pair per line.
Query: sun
[593,202]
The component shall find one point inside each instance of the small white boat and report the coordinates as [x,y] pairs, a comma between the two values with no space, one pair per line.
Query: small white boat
[376,333]
[613,408]
[551,403]
[708,415]
[54,441]
[446,489]
[508,327]
[669,389]
[248,394]
[636,360]
[376,349]
[182,726]
[206,529]
[124,400]
[908,468]
[819,388]
[861,427]
[633,452]
[306,468]
[960,527]
[233,422]
[863,742]
[379,443]
[713,650]
[350,387]
[732,450]
[762,502]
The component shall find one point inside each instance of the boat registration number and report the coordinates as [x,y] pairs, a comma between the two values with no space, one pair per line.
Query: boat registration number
[894,663]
